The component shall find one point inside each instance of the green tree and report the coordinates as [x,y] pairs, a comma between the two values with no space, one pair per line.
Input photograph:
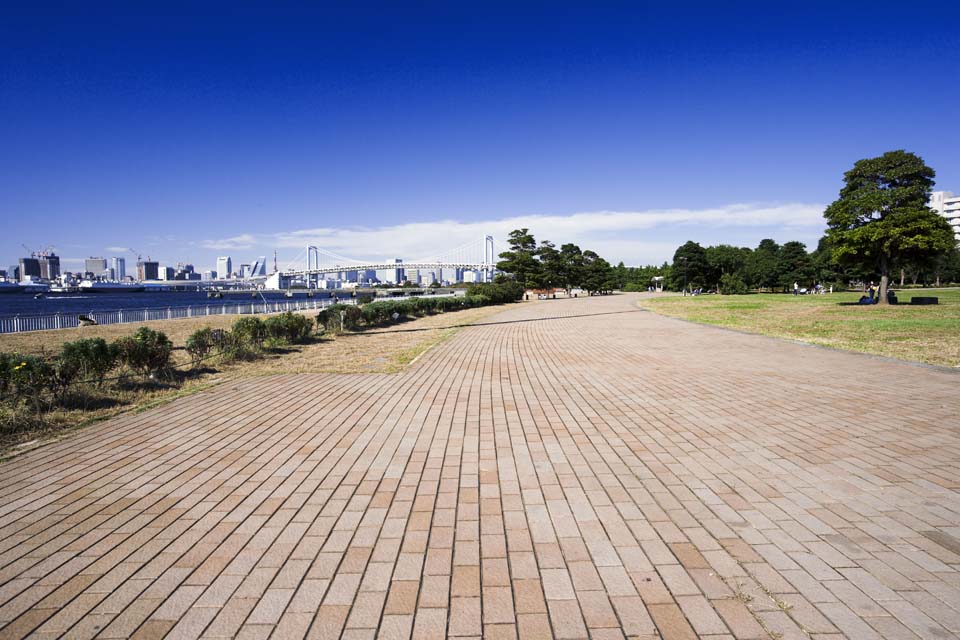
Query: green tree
[728,260]
[520,261]
[551,266]
[763,267]
[598,274]
[571,270]
[881,219]
[795,265]
[690,267]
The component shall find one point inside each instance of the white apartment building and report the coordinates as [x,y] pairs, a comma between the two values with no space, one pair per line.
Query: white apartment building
[947,204]
[224,267]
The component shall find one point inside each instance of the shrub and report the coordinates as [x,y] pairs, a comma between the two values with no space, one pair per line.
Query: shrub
[289,327]
[476,300]
[340,317]
[498,292]
[147,351]
[250,331]
[200,344]
[733,284]
[88,359]
[25,377]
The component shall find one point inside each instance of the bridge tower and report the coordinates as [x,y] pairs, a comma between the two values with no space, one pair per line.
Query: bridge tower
[489,258]
[313,265]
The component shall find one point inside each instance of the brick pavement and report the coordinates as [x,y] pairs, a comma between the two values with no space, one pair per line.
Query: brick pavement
[569,469]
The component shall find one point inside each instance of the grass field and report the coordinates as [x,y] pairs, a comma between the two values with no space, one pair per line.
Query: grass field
[385,350]
[928,334]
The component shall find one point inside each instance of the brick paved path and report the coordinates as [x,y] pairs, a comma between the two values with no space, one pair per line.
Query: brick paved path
[573,468]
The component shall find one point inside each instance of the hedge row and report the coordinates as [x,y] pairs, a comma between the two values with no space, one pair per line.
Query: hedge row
[339,317]
[22,377]
[43,381]
[248,336]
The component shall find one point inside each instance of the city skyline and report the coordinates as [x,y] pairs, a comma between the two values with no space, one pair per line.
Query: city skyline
[627,129]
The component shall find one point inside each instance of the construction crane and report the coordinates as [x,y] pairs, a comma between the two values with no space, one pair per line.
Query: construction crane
[29,250]
[134,252]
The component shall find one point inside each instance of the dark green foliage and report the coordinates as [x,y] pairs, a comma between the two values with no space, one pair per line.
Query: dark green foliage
[598,276]
[763,266]
[339,317]
[690,267]
[733,284]
[726,260]
[289,327]
[200,344]
[25,377]
[89,360]
[881,220]
[795,265]
[146,352]
[520,261]
[498,292]
[250,331]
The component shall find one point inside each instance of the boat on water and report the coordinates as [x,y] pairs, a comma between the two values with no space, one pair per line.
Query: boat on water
[90,286]
[56,288]
[23,287]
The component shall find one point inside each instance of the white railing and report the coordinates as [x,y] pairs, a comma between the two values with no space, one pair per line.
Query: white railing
[16,324]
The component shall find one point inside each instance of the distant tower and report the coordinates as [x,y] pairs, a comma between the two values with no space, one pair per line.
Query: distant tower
[489,257]
[224,267]
[119,268]
[399,276]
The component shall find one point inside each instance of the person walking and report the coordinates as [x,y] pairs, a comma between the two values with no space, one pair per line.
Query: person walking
[796,288]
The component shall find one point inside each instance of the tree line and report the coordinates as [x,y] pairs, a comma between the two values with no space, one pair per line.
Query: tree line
[879,227]
[543,266]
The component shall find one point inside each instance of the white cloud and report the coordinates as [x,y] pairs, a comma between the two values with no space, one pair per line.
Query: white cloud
[243,241]
[632,236]
[116,249]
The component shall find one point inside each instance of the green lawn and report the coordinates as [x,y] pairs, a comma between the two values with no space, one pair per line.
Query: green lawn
[928,334]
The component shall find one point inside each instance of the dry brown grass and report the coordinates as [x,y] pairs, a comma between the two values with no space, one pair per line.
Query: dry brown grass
[49,342]
[383,350]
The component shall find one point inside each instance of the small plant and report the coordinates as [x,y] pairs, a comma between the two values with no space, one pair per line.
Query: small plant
[26,378]
[146,352]
[90,359]
[289,327]
[200,344]
[733,284]
[251,332]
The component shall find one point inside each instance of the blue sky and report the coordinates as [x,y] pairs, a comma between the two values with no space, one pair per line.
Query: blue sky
[378,131]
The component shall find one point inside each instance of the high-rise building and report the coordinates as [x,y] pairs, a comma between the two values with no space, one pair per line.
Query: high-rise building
[259,267]
[29,269]
[49,266]
[244,270]
[95,266]
[947,204]
[148,270]
[119,266]
[398,275]
[224,267]
[209,275]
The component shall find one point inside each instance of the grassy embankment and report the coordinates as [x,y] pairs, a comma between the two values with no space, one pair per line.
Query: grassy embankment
[378,350]
[929,334]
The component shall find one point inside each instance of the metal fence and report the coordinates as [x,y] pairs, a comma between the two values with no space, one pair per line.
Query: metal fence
[16,324]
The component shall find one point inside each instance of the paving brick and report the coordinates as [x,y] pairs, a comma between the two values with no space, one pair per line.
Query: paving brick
[557,472]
